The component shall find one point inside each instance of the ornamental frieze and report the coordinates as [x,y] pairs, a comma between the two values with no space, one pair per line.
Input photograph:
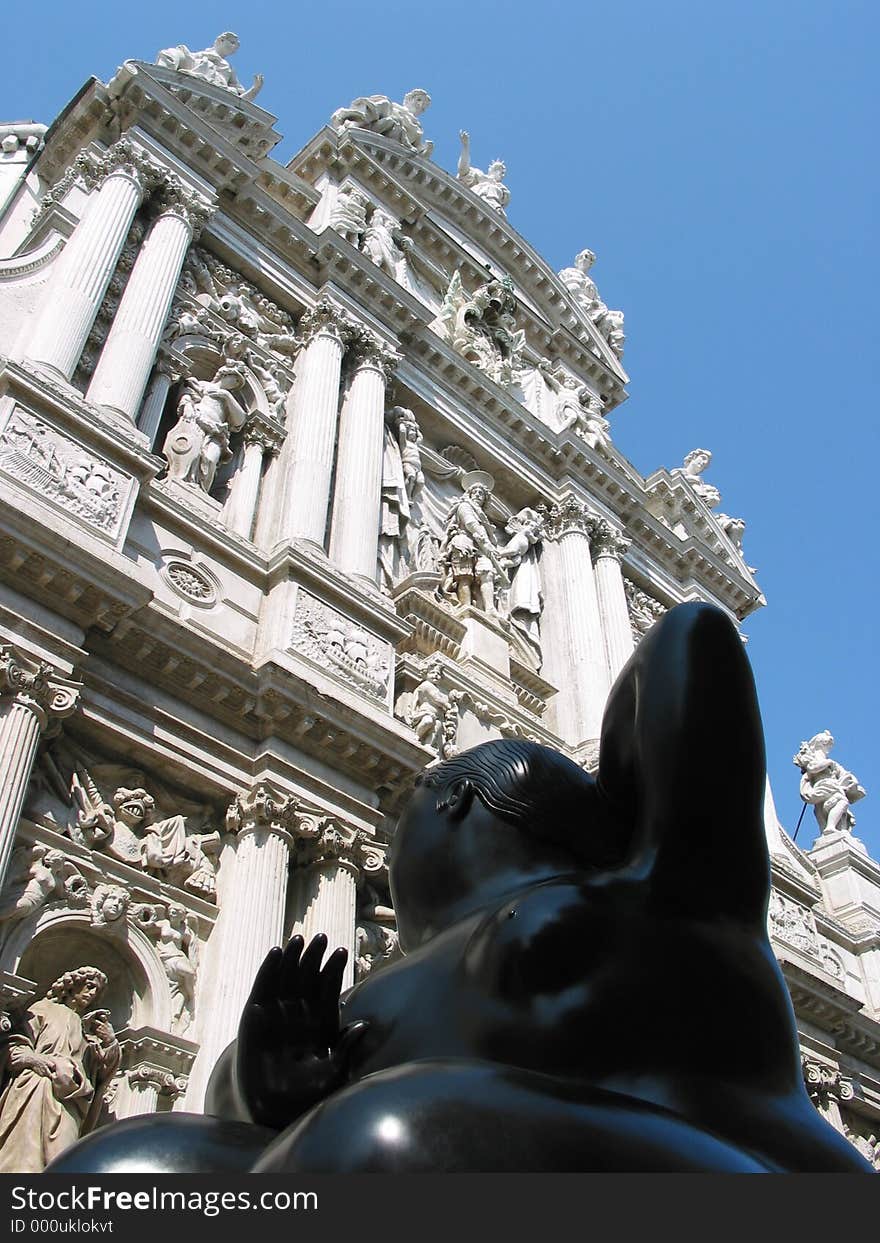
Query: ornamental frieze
[341,647]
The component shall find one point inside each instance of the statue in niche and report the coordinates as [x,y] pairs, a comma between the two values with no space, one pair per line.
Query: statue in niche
[274,386]
[349,214]
[37,875]
[482,327]
[827,785]
[489,185]
[469,556]
[130,832]
[524,599]
[552,927]
[386,246]
[57,1062]
[402,478]
[109,904]
[583,289]
[176,935]
[207,415]
[381,115]
[427,712]
[211,64]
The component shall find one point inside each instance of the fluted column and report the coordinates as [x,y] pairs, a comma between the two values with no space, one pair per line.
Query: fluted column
[608,546]
[580,668]
[130,351]
[83,270]
[32,693]
[308,465]
[357,497]
[241,508]
[325,887]
[164,375]
[251,920]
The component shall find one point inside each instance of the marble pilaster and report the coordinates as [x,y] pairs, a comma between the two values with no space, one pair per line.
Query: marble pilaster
[608,546]
[241,508]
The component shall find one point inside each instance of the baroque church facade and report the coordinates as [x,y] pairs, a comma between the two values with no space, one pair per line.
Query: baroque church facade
[308,480]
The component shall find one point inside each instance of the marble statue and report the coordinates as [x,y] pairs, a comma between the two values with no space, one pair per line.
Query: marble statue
[383,116]
[211,64]
[427,712]
[694,464]
[386,246]
[469,556]
[59,1058]
[827,785]
[37,875]
[207,415]
[349,214]
[583,289]
[543,1016]
[576,408]
[109,904]
[482,327]
[402,478]
[488,185]
[524,599]
[176,936]
[130,832]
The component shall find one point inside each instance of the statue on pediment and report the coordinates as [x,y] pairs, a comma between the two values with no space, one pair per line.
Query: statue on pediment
[826,785]
[488,185]
[211,64]
[582,287]
[383,116]
[694,464]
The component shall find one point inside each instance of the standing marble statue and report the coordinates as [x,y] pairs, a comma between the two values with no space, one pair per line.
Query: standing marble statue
[176,936]
[402,477]
[57,1064]
[582,287]
[383,116]
[827,785]
[349,214]
[207,415]
[469,553]
[520,556]
[428,711]
[211,65]
[386,246]
[488,185]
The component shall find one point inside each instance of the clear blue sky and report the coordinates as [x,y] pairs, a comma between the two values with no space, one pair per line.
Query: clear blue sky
[721,160]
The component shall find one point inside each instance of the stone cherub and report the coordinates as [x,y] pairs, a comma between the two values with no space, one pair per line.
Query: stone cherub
[59,1058]
[488,185]
[211,64]
[37,875]
[827,785]
[383,116]
[544,1016]
[428,709]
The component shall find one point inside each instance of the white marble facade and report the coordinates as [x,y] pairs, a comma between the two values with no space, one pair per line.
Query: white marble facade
[308,479]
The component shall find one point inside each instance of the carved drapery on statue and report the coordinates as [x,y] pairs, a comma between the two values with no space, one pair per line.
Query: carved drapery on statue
[826,785]
[211,64]
[207,417]
[692,469]
[60,1054]
[383,116]
[583,289]
[402,483]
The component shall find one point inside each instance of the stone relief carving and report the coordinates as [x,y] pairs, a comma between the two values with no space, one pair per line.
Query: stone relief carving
[402,482]
[644,610]
[794,924]
[108,907]
[211,64]
[583,289]
[383,116]
[386,246]
[825,1083]
[868,1145]
[60,1055]
[191,583]
[130,831]
[207,416]
[427,711]
[349,214]
[39,875]
[175,933]
[376,940]
[342,647]
[575,407]
[827,785]
[482,327]
[61,471]
[488,185]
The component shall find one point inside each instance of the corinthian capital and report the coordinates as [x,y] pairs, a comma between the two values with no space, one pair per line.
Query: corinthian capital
[124,156]
[606,540]
[180,200]
[324,317]
[36,685]
[569,515]
[369,350]
[261,808]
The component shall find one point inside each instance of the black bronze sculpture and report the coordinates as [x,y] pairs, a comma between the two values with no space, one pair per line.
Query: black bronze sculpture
[588,983]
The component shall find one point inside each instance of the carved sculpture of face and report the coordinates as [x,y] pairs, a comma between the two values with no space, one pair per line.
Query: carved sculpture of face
[478,494]
[416,101]
[584,261]
[84,996]
[226,44]
[176,915]
[134,808]
[113,907]
[497,169]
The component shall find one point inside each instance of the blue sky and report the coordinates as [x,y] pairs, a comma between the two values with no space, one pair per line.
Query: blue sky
[721,161]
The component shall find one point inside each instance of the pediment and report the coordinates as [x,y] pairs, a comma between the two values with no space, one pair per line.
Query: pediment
[673,502]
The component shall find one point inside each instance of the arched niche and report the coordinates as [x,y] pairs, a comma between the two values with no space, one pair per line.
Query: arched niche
[46,945]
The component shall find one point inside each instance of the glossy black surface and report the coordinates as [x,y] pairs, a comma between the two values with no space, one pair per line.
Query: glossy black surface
[165,1144]
[588,983]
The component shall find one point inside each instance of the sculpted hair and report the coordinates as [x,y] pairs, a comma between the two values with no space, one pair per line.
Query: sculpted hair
[538,791]
[66,985]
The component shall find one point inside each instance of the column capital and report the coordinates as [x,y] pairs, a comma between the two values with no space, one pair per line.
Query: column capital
[606,540]
[123,157]
[369,350]
[164,1082]
[569,515]
[321,839]
[261,808]
[178,199]
[37,685]
[324,318]
[264,432]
